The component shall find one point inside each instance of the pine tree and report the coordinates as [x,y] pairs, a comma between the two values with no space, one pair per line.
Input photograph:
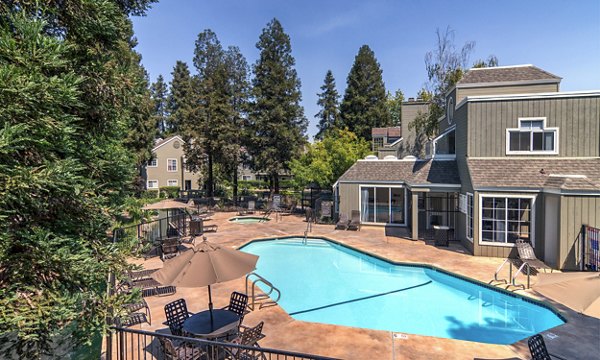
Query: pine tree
[73,96]
[159,94]
[277,119]
[328,101]
[180,98]
[364,103]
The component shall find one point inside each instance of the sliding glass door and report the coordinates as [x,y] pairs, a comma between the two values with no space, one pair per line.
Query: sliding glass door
[382,205]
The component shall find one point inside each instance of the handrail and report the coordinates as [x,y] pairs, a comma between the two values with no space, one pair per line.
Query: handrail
[254,296]
[308,229]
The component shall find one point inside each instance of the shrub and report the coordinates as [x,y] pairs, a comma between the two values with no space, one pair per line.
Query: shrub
[169,192]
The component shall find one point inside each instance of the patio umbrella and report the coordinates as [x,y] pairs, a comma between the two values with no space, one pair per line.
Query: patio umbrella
[578,290]
[167,204]
[204,265]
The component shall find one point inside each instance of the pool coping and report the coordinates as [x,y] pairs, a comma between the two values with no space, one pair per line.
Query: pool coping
[266,220]
[523,297]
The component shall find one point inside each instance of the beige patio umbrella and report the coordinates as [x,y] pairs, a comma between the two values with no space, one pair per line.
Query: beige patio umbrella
[578,290]
[204,265]
[167,204]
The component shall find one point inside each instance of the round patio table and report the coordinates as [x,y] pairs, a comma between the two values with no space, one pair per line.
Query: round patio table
[223,323]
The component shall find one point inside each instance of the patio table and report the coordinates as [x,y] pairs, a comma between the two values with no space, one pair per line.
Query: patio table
[199,325]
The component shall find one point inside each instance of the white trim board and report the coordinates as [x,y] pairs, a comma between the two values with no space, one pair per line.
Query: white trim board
[500,195]
[550,95]
[168,141]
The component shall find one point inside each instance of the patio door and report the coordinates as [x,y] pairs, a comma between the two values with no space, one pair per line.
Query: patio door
[383,205]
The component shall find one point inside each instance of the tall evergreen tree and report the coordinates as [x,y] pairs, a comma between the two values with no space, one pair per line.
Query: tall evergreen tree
[73,93]
[328,101]
[364,103]
[180,98]
[212,107]
[159,93]
[277,119]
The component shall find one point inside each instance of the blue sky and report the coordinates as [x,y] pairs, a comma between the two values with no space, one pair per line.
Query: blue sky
[562,37]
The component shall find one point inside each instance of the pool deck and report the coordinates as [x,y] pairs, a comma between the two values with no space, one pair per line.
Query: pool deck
[579,338]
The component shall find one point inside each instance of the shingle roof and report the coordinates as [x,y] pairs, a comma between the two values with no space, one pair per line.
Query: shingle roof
[506,74]
[389,131]
[565,174]
[419,172]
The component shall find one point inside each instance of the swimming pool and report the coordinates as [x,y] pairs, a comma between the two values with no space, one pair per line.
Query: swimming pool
[248,219]
[325,282]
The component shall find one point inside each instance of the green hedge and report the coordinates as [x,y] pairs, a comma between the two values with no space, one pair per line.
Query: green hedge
[170,192]
[253,184]
[149,194]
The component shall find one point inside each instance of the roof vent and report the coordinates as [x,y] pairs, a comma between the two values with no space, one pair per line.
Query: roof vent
[390,157]
[409,158]
[371,157]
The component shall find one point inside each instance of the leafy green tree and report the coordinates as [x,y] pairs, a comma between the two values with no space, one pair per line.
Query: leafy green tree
[180,100]
[394,105]
[364,104]
[491,61]
[159,93]
[72,94]
[329,115]
[276,120]
[325,161]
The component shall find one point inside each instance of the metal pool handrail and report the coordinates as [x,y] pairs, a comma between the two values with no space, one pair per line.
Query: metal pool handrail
[254,298]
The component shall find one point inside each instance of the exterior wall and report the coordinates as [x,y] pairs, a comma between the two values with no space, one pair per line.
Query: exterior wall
[348,198]
[461,93]
[160,173]
[575,211]
[578,120]
[411,143]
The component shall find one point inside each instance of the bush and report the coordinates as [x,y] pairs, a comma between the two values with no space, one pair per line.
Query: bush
[253,184]
[149,194]
[169,192]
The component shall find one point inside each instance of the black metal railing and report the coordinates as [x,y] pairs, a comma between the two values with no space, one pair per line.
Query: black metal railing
[590,249]
[130,344]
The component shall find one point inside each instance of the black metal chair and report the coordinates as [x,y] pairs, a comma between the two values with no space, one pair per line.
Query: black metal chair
[238,303]
[537,348]
[249,337]
[175,350]
[176,313]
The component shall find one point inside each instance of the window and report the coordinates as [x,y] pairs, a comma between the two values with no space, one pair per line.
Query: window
[246,177]
[152,184]
[443,146]
[532,136]
[504,219]
[377,143]
[152,163]
[172,182]
[171,165]
[470,216]
[384,205]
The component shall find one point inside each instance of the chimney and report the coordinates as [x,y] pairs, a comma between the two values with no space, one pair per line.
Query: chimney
[411,99]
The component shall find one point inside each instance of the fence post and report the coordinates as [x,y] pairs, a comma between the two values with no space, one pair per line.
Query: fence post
[582,245]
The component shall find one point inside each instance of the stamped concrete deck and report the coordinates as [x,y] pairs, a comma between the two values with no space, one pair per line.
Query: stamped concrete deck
[578,339]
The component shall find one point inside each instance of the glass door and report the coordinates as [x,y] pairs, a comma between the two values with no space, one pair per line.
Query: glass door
[382,205]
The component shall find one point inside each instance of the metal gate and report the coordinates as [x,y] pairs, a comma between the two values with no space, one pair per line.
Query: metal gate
[437,209]
[590,248]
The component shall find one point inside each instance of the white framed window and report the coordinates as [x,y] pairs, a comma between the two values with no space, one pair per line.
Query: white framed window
[172,182]
[532,137]
[152,163]
[152,184]
[505,218]
[382,204]
[469,216]
[246,177]
[171,165]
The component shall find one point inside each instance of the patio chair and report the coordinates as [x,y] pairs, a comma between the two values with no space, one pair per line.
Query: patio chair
[132,319]
[238,303]
[537,348]
[250,336]
[176,350]
[140,274]
[176,313]
[290,209]
[527,255]
[354,221]
[134,309]
[170,248]
[343,222]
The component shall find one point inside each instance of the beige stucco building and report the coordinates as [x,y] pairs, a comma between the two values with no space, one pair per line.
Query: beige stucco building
[167,166]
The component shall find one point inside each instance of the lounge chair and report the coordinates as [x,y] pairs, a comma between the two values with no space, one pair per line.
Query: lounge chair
[177,350]
[290,209]
[529,261]
[140,274]
[170,248]
[343,222]
[250,336]
[135,316]
[354,221]
[537,348]
[177,314]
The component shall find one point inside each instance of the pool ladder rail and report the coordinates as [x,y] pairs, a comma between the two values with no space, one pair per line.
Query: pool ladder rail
[307,231]
[260,298]
[513,279]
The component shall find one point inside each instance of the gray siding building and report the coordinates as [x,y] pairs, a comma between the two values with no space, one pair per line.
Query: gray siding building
[525,162]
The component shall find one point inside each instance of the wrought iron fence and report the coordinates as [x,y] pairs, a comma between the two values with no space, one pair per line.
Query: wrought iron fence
[590,248]
[130,344]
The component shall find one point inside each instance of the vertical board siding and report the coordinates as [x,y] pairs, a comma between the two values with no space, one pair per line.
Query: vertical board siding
[577,119]
[575,212]
[348,198]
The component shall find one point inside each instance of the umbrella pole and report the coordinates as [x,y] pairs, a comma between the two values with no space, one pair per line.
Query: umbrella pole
[210,308]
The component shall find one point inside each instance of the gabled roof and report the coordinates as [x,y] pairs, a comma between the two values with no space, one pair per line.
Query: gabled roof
[388,131]
[410,172]
[167,140]
[506,74]
[536,174]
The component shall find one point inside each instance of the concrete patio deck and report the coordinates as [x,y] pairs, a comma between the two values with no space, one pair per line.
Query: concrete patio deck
[579,338]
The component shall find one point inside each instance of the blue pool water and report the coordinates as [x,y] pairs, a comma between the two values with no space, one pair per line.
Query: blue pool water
[325,282]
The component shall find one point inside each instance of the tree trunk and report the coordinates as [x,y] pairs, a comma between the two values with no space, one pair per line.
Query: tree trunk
[276,182]
[235,182]
[210,187]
